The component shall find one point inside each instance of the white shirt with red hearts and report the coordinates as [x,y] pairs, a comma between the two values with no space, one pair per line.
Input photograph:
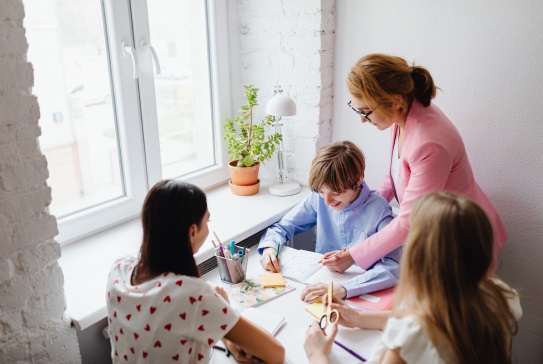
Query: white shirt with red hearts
[170,318]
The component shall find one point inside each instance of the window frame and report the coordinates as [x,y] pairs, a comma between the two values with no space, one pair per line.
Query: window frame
[138,141]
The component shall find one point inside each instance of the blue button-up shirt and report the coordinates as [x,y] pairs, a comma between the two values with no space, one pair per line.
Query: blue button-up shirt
[366,215]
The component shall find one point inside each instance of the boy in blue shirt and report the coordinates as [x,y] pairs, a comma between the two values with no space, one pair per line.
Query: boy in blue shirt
[345,212]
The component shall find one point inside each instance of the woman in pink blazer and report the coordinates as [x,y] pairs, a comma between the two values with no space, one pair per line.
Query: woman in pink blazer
[427,152]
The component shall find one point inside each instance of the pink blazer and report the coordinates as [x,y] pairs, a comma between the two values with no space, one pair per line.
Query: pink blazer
[433,159]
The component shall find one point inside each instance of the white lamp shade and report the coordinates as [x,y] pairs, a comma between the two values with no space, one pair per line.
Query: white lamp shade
[281,105]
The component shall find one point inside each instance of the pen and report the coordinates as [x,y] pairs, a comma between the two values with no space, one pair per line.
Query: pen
[232,248]
[349,351]
[222,349]
[278,248]
[221,250]
[219,240]
[333,255]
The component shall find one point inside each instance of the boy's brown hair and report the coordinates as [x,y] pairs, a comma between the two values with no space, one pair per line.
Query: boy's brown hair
[339,166]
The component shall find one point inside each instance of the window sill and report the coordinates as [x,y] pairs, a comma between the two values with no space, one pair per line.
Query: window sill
[86,263]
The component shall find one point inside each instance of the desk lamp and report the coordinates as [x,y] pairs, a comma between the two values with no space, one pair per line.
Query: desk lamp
[278,106]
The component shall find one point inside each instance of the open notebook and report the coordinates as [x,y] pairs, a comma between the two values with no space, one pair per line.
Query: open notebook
[301,266]
[269,321]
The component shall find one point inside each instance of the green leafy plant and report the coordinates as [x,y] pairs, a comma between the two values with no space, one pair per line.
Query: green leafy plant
[247,140]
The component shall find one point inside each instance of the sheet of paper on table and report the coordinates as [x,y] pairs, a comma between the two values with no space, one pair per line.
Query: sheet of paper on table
[302,266]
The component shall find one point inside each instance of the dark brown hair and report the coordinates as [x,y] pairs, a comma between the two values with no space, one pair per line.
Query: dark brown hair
[378,78]
[338,166]
[169,210]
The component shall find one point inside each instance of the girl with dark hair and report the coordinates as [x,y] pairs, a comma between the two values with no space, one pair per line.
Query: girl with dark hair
[427,153]
[447,309]
[159,310]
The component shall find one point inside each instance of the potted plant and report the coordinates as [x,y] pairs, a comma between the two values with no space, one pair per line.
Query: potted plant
[248,145]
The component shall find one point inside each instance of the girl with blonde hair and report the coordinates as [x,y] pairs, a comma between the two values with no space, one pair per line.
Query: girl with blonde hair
[447,309]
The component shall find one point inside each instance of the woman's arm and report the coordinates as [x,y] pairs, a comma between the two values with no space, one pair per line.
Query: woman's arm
[256,341]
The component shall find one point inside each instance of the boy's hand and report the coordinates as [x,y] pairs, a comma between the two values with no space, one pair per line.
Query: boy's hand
[339,262]
[316,292]
[269,260]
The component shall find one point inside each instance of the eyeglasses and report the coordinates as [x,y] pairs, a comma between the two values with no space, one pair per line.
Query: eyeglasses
[331,316]
[365,116]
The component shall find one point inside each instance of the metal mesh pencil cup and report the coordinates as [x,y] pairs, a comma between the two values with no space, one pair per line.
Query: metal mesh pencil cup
[232,270]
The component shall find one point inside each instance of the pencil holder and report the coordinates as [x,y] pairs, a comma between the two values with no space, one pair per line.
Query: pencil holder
[232,270]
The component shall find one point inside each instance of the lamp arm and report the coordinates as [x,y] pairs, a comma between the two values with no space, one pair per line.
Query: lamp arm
[280,161]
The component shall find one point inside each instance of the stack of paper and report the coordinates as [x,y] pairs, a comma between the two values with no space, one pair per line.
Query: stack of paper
[272,280]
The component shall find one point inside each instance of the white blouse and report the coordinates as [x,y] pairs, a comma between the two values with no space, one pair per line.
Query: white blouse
[415,346]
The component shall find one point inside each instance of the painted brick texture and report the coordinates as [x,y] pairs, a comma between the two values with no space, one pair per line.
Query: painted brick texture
[291,43]
[32,304]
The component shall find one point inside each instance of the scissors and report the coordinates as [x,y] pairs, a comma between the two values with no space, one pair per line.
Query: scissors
[331,316]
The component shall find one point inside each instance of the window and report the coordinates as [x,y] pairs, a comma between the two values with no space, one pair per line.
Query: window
[128,94]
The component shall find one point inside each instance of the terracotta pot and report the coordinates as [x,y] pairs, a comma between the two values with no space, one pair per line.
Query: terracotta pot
[243,176]
[245,190]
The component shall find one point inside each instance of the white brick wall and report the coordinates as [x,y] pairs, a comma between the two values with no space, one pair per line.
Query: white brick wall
[291,42]
[32,304]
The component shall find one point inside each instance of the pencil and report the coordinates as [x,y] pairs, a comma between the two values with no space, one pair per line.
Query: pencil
[333,255]
[349,351]
[215,245]
[219,240]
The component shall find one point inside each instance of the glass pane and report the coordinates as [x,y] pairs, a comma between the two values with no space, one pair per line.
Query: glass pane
[178,34]
[72,82]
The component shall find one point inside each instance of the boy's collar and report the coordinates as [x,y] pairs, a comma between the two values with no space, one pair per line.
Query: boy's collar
[358,203]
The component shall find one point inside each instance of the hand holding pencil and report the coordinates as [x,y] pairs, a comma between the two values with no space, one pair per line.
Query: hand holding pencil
[337,261]
[270,259]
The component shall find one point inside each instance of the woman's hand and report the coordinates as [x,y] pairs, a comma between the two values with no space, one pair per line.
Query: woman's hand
[317,345]
[238,353]
[339,262]
[269,260]
[315,292]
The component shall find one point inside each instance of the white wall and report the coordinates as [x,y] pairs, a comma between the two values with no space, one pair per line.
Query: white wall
[487,57]
[290,43]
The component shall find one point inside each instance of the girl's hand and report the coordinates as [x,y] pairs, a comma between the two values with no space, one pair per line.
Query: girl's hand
[317,345]
[238,353]
[269,260]
[316,292]
[340,262]
[220,291]
[348,316]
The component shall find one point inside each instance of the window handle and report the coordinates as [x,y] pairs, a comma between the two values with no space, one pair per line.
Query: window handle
[154,57]
[129,51]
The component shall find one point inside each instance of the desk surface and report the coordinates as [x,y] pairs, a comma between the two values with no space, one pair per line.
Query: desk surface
[297,320]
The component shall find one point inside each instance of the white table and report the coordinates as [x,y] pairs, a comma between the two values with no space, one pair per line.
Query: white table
[297,320]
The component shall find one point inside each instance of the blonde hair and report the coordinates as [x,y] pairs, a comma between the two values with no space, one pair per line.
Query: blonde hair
[379,78]
[338,166]
[444,280]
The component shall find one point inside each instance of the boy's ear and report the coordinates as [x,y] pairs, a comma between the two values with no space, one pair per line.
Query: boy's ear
[360,180]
